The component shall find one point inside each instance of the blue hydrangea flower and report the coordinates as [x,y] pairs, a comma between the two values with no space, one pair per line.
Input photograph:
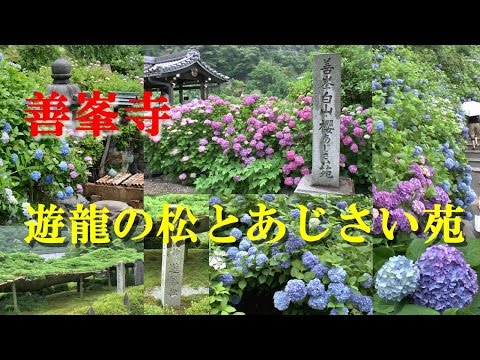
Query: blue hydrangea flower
[35,175]
[60,195]
[449,153]
[340,291]
[281,300]
[7,127]
[380,125]
[246,219]
[252,250]
[446,279]
[14,158]
[269,197]
[274,249]
[296,290]
[310,205]
[337,274]
[295,213]
[283,264]
[63,166]
[245,244]
[427,117]
[458,202]
[336,312]
[362,302]
[309,260]
[294,201]
[367,284]
[64,149]
[69,191]
[236,233]
[471,196]
[397,278]
[250,260]
[261,259]
[38,154]
[418,151]
[315,288]
[468,215]
[449,163]
[320,270]
[49,179]
[214,200]
[374,66]
[294,243]
[318,303]
[342,205]
[235,300]
[445,185]
[406,88]
[232,251]
[226,279]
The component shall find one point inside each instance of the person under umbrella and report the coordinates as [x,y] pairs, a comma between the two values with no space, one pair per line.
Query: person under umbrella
[472,111]
[474,129]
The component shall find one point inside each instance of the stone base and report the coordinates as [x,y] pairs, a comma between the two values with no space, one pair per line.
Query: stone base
[305,187]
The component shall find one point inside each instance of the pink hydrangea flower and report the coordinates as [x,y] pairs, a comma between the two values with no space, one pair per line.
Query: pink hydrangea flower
[343,158]
[201,148]
[71,166]
[182,176]
[185,158]
[79,188]
[296,181]
[347,140]
[358,132]
[290,155]
[155,138]
[305,170]
[174,151]
[288,181]
[299,160]
[354,148]
[352,169]
[73,174]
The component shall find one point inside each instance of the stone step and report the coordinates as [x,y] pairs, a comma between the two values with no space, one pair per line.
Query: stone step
[473,154]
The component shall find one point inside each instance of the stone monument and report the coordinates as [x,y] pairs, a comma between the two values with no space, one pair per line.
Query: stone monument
[325,177]
[173,257]
[138,271]
[121,277]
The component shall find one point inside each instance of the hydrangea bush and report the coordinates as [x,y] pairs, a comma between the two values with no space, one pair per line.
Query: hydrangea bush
[255,145]
[31,171]
[440,279]
[330,276]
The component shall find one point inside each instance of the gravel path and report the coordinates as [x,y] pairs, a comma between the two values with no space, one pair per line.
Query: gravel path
[158,186]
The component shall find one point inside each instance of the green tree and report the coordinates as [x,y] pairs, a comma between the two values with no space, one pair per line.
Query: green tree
[269,79]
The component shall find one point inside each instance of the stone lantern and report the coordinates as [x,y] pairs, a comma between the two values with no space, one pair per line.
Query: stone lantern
[61,73]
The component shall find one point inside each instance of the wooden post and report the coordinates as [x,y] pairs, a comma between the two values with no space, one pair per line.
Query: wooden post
[109,277]
[180,93]
[202,91]
[81,287]
[14,294]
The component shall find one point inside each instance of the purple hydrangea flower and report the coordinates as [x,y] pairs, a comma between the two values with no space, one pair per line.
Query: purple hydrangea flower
[446,279]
